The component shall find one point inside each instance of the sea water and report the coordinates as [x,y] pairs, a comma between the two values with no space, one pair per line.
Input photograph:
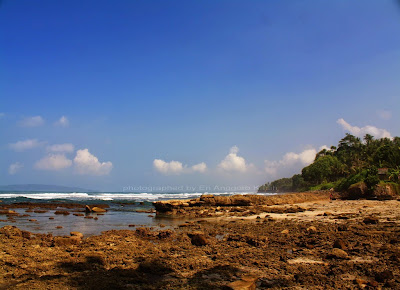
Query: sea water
[125,210]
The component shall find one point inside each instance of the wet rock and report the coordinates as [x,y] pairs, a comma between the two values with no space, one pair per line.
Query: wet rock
[98,209]
[76,234]
[8,211]
[63,212]
[59,227]
[198,239]
[246,283]
[51,218]
[33,220]
[337,254]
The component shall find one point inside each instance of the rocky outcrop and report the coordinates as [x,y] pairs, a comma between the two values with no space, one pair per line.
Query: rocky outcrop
[237,203]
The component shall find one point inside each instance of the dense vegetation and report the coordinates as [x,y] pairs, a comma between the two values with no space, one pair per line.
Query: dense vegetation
[353,161]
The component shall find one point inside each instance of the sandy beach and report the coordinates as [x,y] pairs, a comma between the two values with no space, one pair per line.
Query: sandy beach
[339,244]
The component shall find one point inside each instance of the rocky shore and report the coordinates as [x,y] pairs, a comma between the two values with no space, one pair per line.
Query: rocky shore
[314,244]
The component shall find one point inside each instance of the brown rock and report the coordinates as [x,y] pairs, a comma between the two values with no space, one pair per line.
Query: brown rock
[76,234]
[246,283]
[98,209]
[59,227]
[337,254]
[63,212]
[312,229]
[285,232]
[384,276]
[371,220]
[66,241]
[198,239]
[340,244]
[33,220]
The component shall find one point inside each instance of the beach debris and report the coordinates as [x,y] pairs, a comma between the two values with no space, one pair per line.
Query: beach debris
[245,283]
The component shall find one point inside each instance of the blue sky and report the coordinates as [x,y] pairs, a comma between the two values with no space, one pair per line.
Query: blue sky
[237,93]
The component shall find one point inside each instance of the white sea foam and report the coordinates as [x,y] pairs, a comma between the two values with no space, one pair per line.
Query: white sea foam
[144,196]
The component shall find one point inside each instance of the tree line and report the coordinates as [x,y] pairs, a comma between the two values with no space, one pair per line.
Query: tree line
[352,161]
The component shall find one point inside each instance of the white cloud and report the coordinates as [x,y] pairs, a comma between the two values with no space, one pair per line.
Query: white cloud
[291,162]
[14,168]
[384,114]
[53,162]
[233,162]
[26,144]
[361,132]
[31,121]
[87,163]
[66,147]
[176,167]
[173,167]
[201,167]
[62,122]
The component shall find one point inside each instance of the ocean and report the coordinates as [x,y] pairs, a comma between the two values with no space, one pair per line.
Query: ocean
[126,211]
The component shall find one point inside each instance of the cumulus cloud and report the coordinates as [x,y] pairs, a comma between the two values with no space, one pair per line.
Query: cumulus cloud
[87,163]
[31,121]
[201,167]
[361,132]
[53,162]
[384,114]
[62,122]
[291,162]
[66,147]
[26,144]
[176,167]
[172,167]
[14,168]
[232,162]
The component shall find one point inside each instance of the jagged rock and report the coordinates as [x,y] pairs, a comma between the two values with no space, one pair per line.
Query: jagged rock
[66,241]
